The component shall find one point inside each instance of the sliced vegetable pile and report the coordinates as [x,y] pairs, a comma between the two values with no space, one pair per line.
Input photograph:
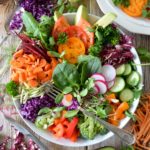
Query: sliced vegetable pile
[60,66]
[134,8]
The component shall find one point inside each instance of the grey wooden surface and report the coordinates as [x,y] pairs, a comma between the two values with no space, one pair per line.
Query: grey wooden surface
[139,40]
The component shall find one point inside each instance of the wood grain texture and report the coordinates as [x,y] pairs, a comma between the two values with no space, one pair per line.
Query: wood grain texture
[139,41]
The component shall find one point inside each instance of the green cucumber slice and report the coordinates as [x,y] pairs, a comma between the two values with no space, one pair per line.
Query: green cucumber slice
[126,95]
[119,85]
[133,79]
[128,69]
[120,70]
[107,148]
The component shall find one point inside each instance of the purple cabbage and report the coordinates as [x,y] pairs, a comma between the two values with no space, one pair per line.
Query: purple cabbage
[118,54]
[30,109]
[38,8]
[74,105]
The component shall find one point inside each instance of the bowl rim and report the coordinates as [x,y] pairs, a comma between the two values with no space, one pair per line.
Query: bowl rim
[129,23]
[67,143]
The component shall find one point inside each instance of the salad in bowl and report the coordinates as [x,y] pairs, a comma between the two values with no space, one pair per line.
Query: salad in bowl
[73,60]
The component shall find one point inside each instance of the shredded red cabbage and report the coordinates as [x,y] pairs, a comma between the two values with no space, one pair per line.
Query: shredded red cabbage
[74,105]
[38,8]
[30,109]
[119,54]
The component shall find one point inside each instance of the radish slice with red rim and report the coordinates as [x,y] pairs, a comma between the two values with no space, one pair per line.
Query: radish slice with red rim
[96,89]
[109,72]
[102,86]
[98,76]
[110,84]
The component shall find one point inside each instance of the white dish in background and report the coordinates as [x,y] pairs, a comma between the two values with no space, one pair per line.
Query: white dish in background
[82,142]
[137,25]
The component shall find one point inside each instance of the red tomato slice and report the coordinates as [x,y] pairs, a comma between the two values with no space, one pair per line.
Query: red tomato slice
[60,25]
[76,31]
[85,25]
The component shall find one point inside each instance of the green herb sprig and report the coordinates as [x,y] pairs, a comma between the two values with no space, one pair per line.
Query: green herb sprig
[125,3]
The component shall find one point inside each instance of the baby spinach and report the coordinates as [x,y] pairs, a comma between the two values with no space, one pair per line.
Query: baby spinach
[93,63]
[66,75]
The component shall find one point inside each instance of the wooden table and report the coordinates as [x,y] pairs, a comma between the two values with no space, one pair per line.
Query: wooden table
[139,40]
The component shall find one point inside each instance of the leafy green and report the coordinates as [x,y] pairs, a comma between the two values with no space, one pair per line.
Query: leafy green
[130,115]
[67,5]
[125,3]
[93,63]
[144,54]
[30,23]
[104,36]
[66,75]
[12,88]
[71,113]
[62,38]
[39,30]
[146,11]
[59,98]
[82,69]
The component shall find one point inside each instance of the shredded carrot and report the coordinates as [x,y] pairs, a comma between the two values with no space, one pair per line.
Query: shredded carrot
[141,128]
[135,8]
[28,68]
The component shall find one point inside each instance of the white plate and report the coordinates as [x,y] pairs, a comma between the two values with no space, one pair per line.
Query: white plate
[132,24]
[82,142]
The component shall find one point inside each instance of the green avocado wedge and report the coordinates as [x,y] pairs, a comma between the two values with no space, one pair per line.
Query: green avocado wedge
[106,20]
[107,148]
[82,12]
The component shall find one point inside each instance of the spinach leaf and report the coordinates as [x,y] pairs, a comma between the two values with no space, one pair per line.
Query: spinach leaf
[82,69]
[93,63]
[59,98]
[30,23]
[66,75]
[71,113]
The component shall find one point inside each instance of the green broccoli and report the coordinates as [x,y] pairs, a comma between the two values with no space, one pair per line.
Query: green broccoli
[12,88]
[100,129]
[87,128]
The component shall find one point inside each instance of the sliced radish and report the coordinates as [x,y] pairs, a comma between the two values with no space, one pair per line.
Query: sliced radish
[109,72]
[98,76]
[110,84]
[67,100]
[102,86]
[96,89]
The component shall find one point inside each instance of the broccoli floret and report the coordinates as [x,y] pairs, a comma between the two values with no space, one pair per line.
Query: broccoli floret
[100,129]
[12,88]
[87,128]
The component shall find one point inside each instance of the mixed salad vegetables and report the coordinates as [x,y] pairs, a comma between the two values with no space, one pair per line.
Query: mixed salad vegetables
[59,66]
[134,8]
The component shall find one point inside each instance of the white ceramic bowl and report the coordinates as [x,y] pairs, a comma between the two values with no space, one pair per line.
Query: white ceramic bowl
[81,142]
[132,24]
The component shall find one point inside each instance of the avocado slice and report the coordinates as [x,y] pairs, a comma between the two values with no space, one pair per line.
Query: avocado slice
[82,12]
[106,20]
[107,148]
[57,15]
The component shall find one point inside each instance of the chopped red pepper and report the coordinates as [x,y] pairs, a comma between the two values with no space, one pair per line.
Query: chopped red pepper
[71,127]
[59,130]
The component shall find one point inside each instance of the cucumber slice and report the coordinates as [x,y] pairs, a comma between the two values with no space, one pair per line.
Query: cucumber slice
[126,95]
[120,70]
[128,69]
[107,148]
[133,79]
[119,85]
